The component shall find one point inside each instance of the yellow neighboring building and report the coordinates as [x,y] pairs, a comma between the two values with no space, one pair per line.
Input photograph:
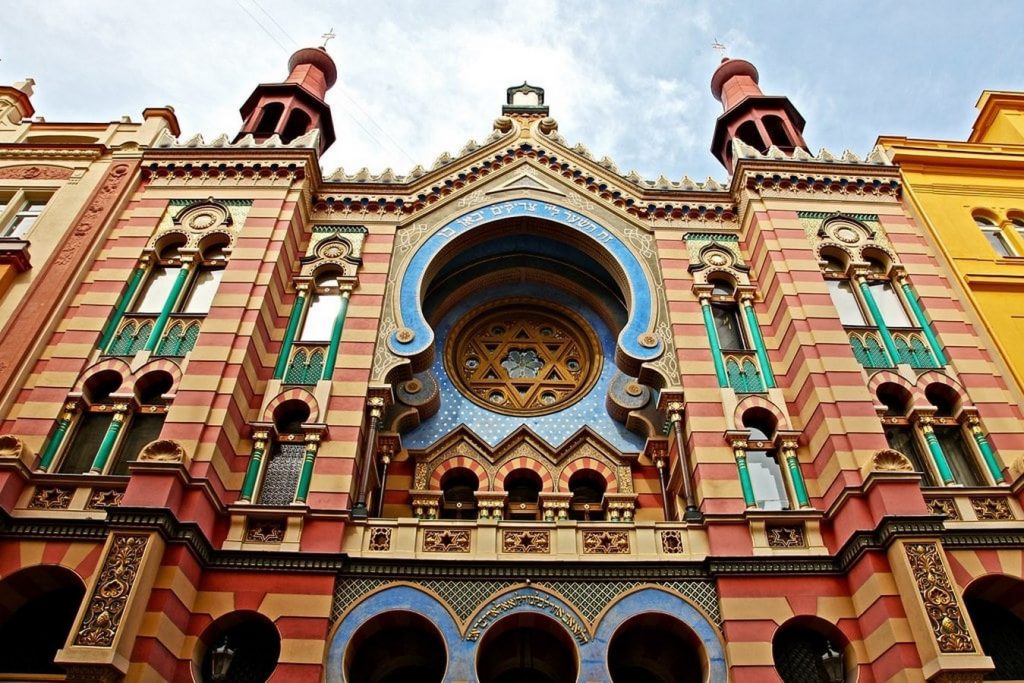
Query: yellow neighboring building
[970,195]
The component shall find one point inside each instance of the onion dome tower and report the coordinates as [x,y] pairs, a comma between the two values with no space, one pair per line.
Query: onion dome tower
[297,105]
[757,119]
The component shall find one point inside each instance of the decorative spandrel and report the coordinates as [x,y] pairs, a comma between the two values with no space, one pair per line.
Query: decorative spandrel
[523,357]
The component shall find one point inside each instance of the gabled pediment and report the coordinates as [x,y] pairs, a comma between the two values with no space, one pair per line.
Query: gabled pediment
[525,181]
[523,442]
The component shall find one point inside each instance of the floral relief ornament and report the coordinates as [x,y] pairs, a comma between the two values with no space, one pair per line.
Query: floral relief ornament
[523,363]
[110,596]
[939,599]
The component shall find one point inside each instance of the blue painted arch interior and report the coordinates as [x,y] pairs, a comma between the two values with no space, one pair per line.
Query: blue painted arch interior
[641,297]
[591,640]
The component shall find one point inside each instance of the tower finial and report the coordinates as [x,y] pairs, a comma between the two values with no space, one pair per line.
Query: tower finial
[720,48]
[327,36]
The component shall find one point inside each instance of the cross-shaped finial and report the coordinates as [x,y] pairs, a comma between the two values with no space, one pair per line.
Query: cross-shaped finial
[327,36]
[719,47]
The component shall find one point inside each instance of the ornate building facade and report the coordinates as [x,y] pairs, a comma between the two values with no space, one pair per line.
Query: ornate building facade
[968,196]
[516,416]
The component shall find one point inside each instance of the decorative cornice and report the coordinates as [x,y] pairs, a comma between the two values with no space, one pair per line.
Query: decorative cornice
[162,521]
[26,151]
[407,198]
[876,157]
[166,140]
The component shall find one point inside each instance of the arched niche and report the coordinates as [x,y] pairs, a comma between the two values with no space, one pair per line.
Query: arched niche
[653,606]
[636,343]
[251,637]
[364,618]
[37,611]
[527,647]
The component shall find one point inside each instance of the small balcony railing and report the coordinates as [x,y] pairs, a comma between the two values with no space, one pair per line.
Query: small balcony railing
[742,372]
[306,365]
[911,348]
[177,339]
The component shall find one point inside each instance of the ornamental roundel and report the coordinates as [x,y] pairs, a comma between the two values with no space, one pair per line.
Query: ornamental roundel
[523,357]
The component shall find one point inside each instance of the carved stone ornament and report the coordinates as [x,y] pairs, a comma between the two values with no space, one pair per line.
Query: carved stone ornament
[109,598]
[11,446]
[52,498]
[446,541]
[104,498]
[672,542]
[786,536]
[265,530]
[888,460]
[380,539]
[526,541]
[203,215]
[939,598]
[35,173]
[944,506]
[163,450]
[605,542]
[990,509]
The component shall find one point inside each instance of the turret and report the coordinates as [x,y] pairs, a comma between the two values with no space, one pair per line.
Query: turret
[749,115]
[297,105]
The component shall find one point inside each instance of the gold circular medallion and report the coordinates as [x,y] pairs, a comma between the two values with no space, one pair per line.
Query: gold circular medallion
[523,357]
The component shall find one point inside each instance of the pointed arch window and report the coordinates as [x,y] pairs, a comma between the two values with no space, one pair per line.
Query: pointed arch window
[737,347]
[206,280]
[883,317]
[162,276]
[324,305]
[766,477]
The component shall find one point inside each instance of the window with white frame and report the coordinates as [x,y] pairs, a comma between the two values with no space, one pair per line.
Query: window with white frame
[323,308]
[994,234]
[18,213]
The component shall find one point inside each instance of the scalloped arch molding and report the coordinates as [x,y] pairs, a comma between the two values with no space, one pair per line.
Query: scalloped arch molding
[642,315]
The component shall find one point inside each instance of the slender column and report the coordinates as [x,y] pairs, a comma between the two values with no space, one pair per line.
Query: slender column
[53,445]
[675,415]
[986,449]
[369,456]
[755,332]
[339,325]
[915,305]
[165,314]
[659,462]
[793,465]
[876,315]
[252,473]
[99,463]
[935,448]
[312,446]
[716,349]
[739,450]
[122,305]
[289,334]
[385,459]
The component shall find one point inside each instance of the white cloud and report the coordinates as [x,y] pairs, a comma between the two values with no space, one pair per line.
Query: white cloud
[629,80]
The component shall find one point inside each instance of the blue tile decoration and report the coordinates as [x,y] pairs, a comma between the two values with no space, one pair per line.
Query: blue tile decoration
[554,428]
[641,310]
[590,641]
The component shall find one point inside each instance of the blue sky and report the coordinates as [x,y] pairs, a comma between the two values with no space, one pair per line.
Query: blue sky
[627,79]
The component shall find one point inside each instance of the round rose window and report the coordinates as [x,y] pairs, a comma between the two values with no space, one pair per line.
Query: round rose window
[523,357]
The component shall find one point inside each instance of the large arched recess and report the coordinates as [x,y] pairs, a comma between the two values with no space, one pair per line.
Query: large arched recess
[637,343]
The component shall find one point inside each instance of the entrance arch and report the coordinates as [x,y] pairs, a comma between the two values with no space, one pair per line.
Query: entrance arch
[996,607]
[38,606]
[655,648]
[395,647]
[416,337]
[527,648]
